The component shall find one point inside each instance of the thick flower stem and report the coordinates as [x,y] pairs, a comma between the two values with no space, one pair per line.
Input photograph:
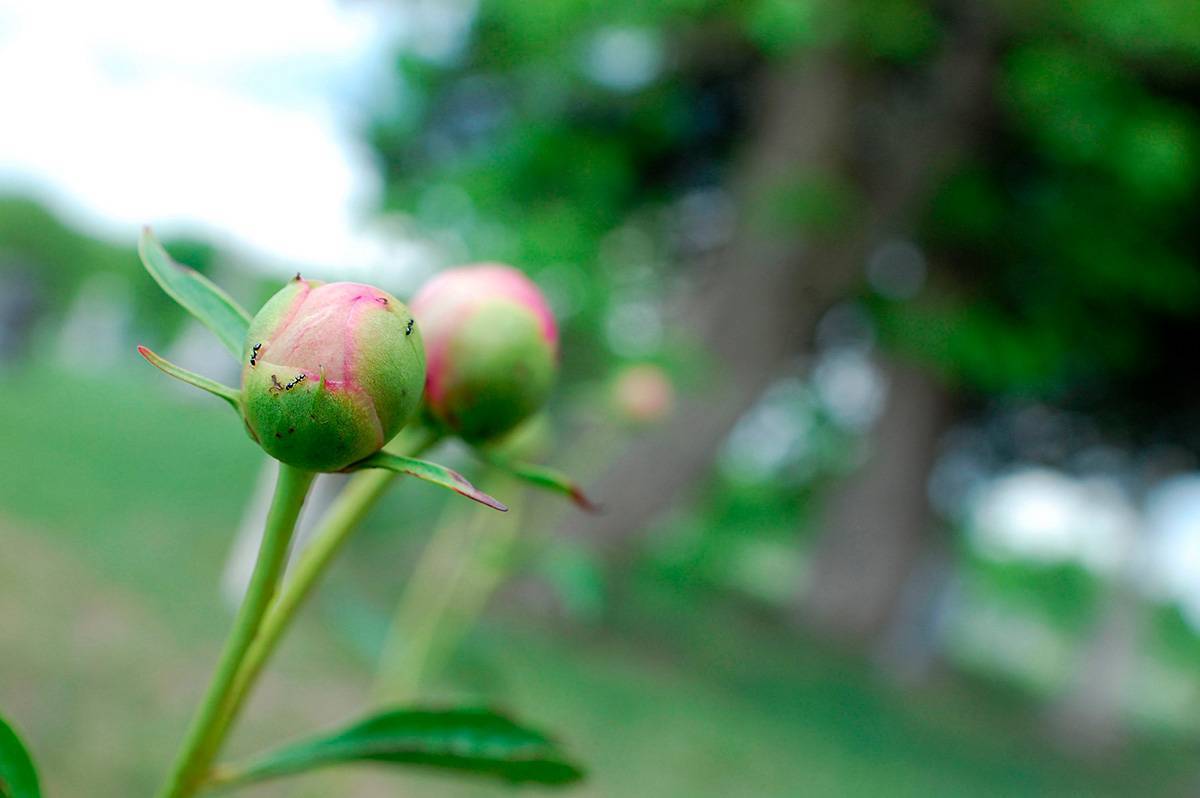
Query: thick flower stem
[206,733]
[352,505]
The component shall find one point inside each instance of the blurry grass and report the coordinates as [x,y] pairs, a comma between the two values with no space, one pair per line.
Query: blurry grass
[117,502]
[138,478]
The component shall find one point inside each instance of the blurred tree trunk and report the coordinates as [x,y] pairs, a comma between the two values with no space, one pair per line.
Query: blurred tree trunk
[759,309]
[879,525]
[879,569]
[753,313]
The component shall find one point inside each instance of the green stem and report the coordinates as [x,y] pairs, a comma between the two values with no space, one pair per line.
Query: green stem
[465,560]
[206,733]
[352,505]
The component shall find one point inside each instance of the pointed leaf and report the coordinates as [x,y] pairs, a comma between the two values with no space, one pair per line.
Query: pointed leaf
[475,741]
[430,472]
[211,306]
[231,395]
[541,476]
[18,778]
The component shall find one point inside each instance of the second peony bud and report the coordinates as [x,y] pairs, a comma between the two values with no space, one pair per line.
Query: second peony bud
[331,372]
[492,344]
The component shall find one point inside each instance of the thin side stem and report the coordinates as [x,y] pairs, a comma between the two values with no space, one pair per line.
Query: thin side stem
[206,733]
[352,505]
[466,557]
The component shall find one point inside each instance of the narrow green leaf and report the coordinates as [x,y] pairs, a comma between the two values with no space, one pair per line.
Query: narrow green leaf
[475,741]
[211,306]
[18,778]
[231,395]
[430,472]
[542,477]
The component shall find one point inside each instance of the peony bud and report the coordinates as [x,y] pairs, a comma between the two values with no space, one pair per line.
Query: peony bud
[331,373]
[492,344]
[644,394]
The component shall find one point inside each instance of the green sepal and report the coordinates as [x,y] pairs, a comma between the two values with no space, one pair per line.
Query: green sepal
[430,472]
[231,395]
[541,476]
[18,777]
[476,741]
[196,294]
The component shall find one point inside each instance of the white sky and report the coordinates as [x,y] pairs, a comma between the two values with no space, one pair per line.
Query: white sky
[233,117]
[1173,514]
[1047,516]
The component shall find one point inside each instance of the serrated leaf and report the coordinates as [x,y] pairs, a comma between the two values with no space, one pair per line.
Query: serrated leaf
[18,778]
[231,395]
[542,477]
[476,741]
[196,294]
[430,472]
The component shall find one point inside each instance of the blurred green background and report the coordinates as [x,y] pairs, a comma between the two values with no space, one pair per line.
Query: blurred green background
[879,324]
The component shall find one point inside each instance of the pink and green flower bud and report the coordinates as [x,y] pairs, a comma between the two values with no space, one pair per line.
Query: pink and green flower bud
[331,372]
[643,394]
[492,345]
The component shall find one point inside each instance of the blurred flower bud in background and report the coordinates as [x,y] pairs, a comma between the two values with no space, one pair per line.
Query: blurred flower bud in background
[643,394]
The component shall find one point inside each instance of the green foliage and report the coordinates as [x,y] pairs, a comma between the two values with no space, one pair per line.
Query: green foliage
[33,238]
[781,27]
[876,30]
[430,472]
[899,30]
[473,741]
[541,476]
[740,539]
[1171,637]
[528,154]
[1066,595]
[1066,99]
[18,778]
[1071,201]
[1164,34]
[196,294]
[1071,219]
[231,395]
[823,204]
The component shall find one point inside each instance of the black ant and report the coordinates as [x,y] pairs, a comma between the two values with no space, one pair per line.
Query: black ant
[295,382]
[408,329]
[254,354]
